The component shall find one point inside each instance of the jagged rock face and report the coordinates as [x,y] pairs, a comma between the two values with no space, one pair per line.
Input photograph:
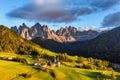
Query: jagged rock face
[68,31]
[43,31]
[24,31]
[14,28]
[72,34]
[36,31]
[68,34]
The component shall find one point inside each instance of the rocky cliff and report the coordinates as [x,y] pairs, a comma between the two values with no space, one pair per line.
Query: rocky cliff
[67,34]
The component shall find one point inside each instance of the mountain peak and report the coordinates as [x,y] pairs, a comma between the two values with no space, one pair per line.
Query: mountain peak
[37,24]
[23,24]
[67,34]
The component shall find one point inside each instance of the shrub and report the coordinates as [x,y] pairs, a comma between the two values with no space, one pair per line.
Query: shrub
[18,59]
[113,76]
[79,65]
[81,59]
[26,75]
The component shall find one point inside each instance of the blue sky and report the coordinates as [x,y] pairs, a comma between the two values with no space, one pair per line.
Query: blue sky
[61,13]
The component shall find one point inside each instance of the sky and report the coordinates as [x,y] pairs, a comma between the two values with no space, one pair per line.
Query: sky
[95,14]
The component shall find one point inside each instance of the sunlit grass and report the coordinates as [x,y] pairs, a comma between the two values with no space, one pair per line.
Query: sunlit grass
[12,70]
[9,70]
[67,71]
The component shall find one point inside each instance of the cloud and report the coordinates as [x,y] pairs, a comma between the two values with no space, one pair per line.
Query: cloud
[104,4]
[46,3]
[112,20]
[44,10]
[60,11]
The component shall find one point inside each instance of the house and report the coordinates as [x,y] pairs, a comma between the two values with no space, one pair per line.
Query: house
[37,63]
[56,64]
[43,64]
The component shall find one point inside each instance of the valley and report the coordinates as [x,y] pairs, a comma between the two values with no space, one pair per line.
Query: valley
[22,59]
[60,40]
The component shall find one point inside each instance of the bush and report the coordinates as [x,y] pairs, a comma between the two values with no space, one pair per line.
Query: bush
[26,75]
[81,59]
[113,76]
[79,65]
[18,59]
[63,57]
[89,66]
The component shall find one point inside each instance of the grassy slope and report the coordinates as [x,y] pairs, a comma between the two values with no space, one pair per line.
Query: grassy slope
[11,70]
[29,58]
[11,42]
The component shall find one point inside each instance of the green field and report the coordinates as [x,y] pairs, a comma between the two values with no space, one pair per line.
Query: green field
[14,70]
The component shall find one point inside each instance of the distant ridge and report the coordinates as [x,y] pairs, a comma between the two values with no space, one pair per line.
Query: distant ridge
[67,34]
[105,46]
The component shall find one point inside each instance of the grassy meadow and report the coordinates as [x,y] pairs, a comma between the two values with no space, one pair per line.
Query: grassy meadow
[14,70]
[10,70]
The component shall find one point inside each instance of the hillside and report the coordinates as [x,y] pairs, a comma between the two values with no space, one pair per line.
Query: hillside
[55,46]
[67,71]
[12,42]
[48,44]
[105,46]
[15,71]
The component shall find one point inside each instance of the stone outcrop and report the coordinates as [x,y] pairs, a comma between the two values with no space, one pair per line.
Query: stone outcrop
[67,34]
